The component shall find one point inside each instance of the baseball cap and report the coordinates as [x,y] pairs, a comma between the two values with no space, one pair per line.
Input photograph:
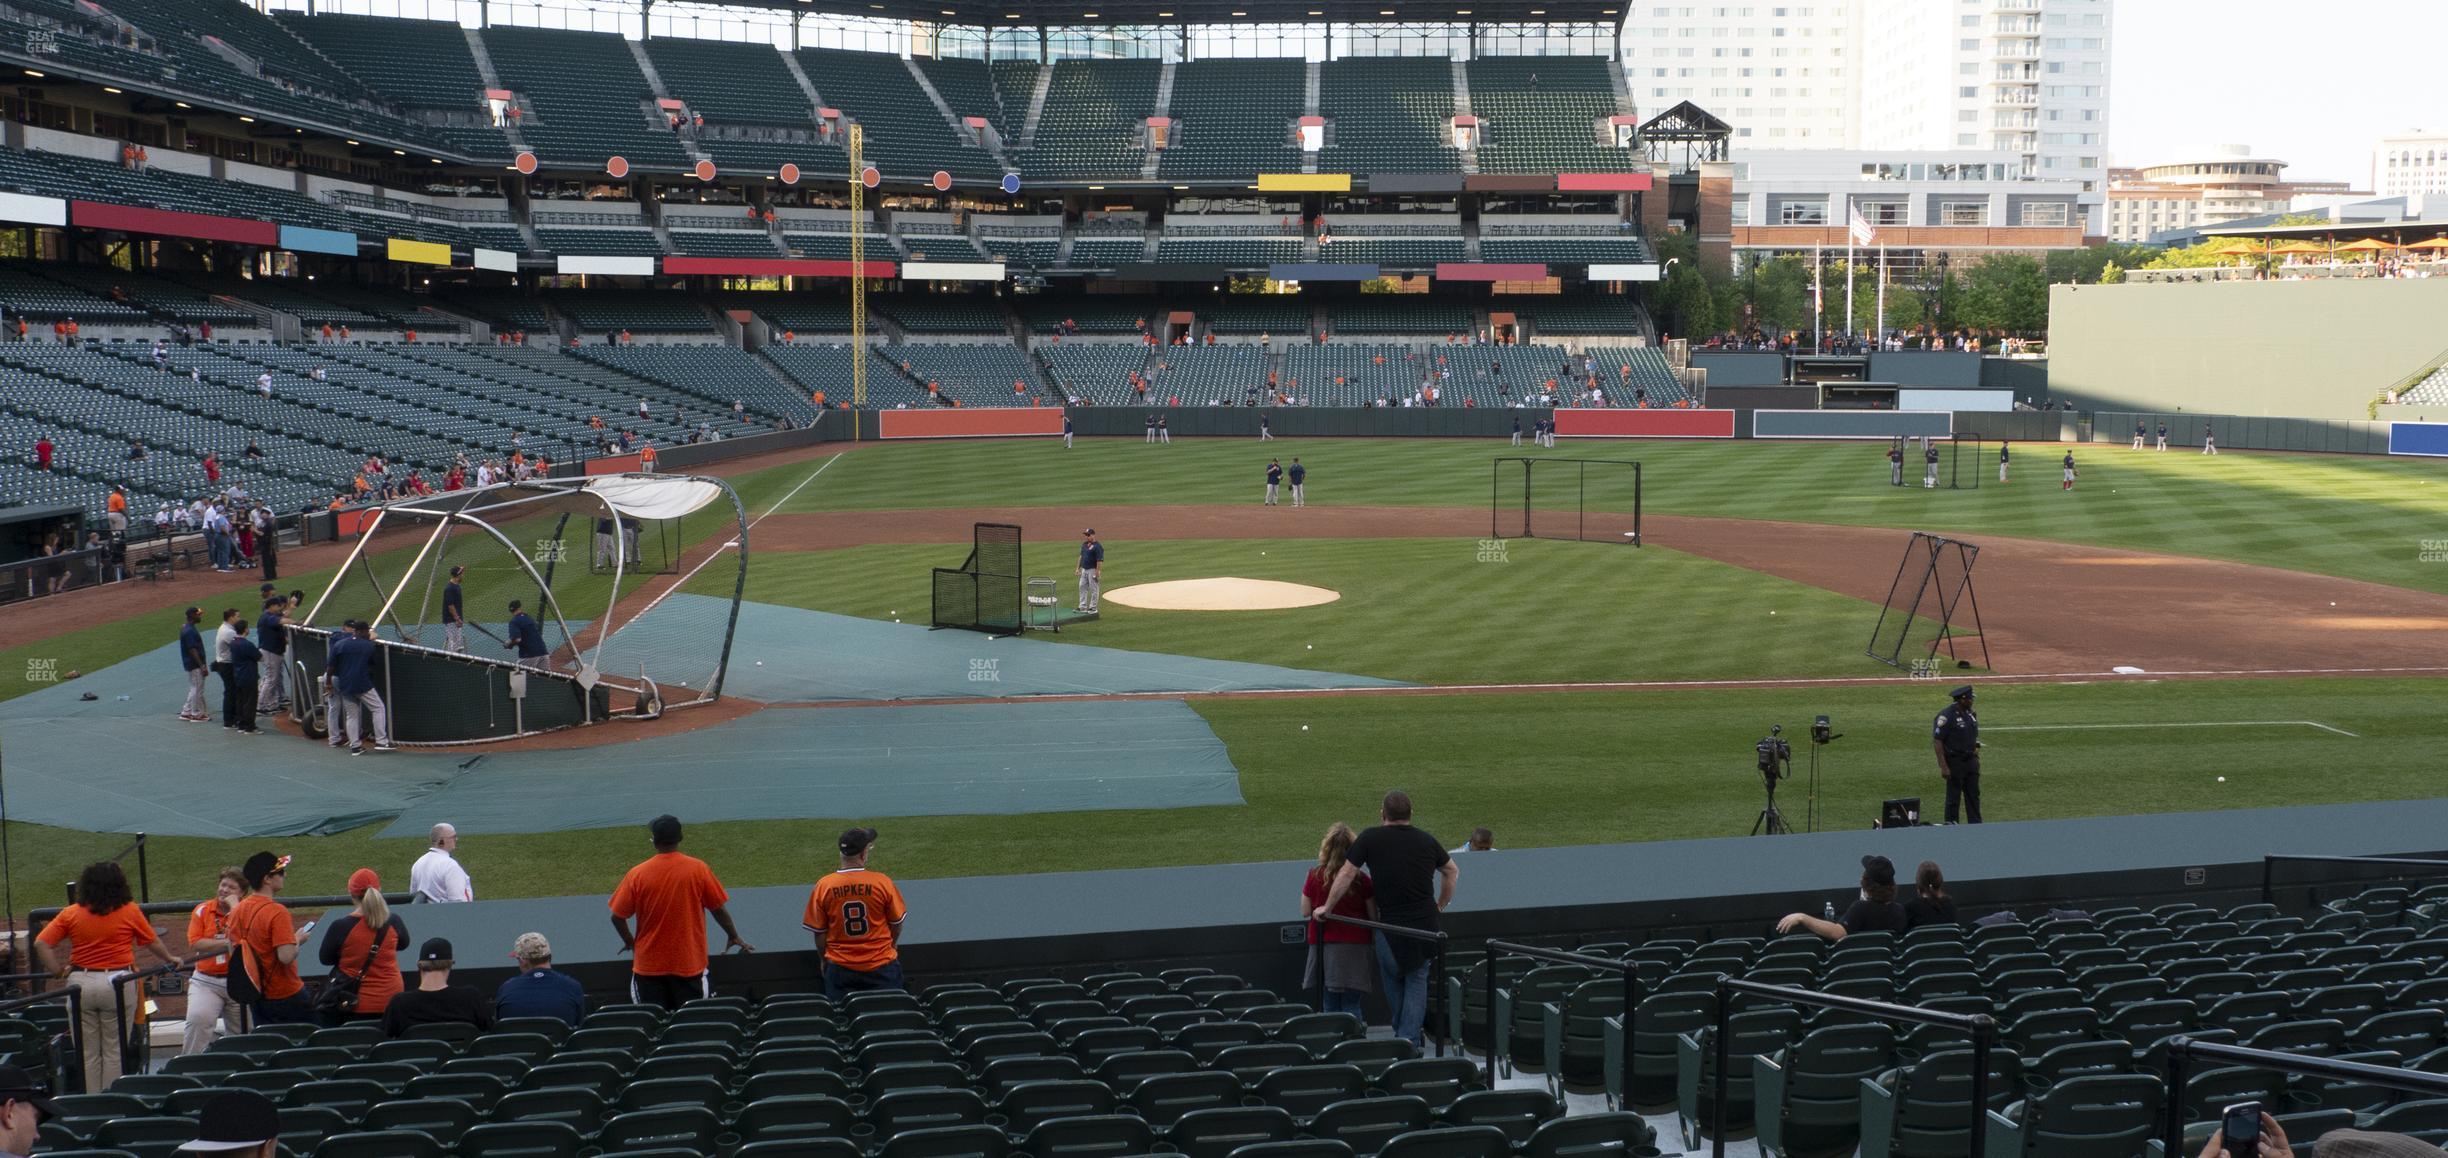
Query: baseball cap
[434,949]
[354,624]
[235,1120]
[1879,869]
[457,570]
[665,829]
[364,881]
[1962,693]
[264,864]
[855,841]
[1089,532]
[531,947]
[18,1085]
[2371,1144]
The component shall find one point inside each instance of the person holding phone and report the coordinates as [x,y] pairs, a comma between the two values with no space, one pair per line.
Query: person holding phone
[2255,1134]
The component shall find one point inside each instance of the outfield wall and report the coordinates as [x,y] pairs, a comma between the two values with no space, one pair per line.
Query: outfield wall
[2304,349]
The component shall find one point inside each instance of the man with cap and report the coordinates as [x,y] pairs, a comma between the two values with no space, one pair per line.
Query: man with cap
[437,877]
[435,1001]
[1875,910]
[856,915]
[23,1106]
[272,638]
[195,662]
[539,990]
[265,946]
[348,676]
[527,636]
[239,1123]
[1091,570]
[454,614]
[670,895]
[1955,737]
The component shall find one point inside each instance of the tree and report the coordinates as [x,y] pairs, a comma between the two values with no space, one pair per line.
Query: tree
[2111,274]
[2005,291]
[1778,292]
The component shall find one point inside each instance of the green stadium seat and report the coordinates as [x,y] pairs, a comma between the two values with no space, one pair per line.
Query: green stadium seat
[1218,1132]
[2079,1117]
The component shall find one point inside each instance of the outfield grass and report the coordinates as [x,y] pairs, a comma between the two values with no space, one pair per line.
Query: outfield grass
[1539,769]
[2360,517]
[1423,610]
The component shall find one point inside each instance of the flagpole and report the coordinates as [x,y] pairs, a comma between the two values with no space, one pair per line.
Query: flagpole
[1849,237]
[1878,324]
[1818,298]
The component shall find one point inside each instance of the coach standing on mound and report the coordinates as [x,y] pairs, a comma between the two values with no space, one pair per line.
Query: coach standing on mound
[670,894]
[1956,739]
[1091,570]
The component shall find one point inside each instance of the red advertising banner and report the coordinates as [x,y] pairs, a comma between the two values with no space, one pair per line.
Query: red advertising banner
[615,464]
[1473,271]
[775,266]
[983,422]
[172,223]
[1645,423]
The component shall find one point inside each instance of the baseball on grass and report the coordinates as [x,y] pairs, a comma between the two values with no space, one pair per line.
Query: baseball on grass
[2222,780]
[1313,647]
[1305,727]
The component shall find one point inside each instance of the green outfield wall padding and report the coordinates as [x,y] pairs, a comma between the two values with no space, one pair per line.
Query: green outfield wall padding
[1854,423]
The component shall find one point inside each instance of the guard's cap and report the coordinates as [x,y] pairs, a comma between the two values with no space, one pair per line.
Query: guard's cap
[1962,693]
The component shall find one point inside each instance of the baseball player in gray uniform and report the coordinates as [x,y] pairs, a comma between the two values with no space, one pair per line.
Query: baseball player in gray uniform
[1091,569]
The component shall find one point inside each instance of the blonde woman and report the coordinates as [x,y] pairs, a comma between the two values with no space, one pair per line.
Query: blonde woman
[1350,955]
[365,945]
[208,944]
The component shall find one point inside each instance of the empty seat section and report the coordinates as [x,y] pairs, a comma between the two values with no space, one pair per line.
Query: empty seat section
[1095,119]
[1232,119]
[584,99]
[1388,114]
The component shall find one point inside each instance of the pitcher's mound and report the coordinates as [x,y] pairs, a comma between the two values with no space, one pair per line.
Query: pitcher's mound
[1223,594]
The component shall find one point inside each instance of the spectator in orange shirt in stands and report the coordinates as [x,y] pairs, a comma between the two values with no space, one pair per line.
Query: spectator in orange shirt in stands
[103,928]
[789,337]
[411,336]
[624,337]
[646,457]
[670,894]
[327,331]
[818,399]
[344,332]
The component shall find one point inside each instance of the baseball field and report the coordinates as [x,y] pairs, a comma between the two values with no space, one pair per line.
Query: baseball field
[2288,614]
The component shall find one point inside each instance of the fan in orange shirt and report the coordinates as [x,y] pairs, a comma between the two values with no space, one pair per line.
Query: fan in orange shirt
[104,928]
[856,915]
[670,894]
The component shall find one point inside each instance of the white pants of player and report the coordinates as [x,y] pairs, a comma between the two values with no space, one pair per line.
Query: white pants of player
[2137,442]
[1089,588]
[1164,434]
[2163,442]
[629,546]
[207,995]
[603,549]
[2209,445]
[195,694]
[2001,470]
[1929,476]
[1066,440]
[454,637]
[1265,435]
[535,662]
[268,688]
[358,707]
[1517,438]
[1895,472]
[1270,499]
[1297,500]
[1151,434]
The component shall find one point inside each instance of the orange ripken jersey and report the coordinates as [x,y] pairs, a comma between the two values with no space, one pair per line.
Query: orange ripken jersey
[856,909]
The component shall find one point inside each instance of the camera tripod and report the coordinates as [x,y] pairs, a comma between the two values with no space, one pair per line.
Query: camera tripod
[1770,820]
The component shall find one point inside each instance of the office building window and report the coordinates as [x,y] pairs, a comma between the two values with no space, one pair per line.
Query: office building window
[2044,214]
[1802,212]
[1963,213]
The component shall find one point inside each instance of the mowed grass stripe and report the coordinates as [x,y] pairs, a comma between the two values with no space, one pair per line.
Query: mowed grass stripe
[2356,517]
[1424,610]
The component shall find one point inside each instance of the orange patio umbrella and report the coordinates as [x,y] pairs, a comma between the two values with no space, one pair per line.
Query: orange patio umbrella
[2367,245]
[2298,247]
[2432,243]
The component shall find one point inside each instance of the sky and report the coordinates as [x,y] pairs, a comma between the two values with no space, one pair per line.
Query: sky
[2312,84]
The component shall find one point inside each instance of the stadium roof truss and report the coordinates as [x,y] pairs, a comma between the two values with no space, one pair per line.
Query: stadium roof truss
[1051,14]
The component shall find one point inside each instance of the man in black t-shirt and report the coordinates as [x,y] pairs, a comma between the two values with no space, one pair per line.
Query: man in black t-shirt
[1874,911]
[1413,880]
[435,1000]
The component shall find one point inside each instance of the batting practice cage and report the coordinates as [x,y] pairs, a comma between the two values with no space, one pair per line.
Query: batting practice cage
[1597,500]
[984,593]
[598,563]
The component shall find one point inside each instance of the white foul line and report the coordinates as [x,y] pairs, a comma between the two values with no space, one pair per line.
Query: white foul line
[733,545]
[2180,724]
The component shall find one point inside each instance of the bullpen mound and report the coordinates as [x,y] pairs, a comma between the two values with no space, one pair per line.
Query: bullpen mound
[1222,594]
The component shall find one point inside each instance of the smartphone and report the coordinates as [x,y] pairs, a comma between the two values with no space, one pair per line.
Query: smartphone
[2240,1129]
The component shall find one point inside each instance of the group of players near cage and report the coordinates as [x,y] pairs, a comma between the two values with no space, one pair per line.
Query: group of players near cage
[254,674]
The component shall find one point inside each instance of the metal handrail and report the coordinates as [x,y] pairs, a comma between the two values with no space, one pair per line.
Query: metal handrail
[1631,987]
[2269,866]
[1981,1027]
[2179,1049]
[1436,969]
[76,1031]
[119,1003]
[41,917]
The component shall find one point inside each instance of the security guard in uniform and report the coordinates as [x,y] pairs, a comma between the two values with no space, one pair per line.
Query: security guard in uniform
[1956,739]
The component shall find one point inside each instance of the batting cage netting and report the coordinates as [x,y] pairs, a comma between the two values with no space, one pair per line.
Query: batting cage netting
[1597,500]
[576,601]
[984,593]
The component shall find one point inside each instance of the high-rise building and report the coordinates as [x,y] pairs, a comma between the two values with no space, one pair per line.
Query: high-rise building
[1783,75]
[2026,77]
[2415,162]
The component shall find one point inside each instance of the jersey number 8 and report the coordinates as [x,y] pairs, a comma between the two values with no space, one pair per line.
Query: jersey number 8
[854,918]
